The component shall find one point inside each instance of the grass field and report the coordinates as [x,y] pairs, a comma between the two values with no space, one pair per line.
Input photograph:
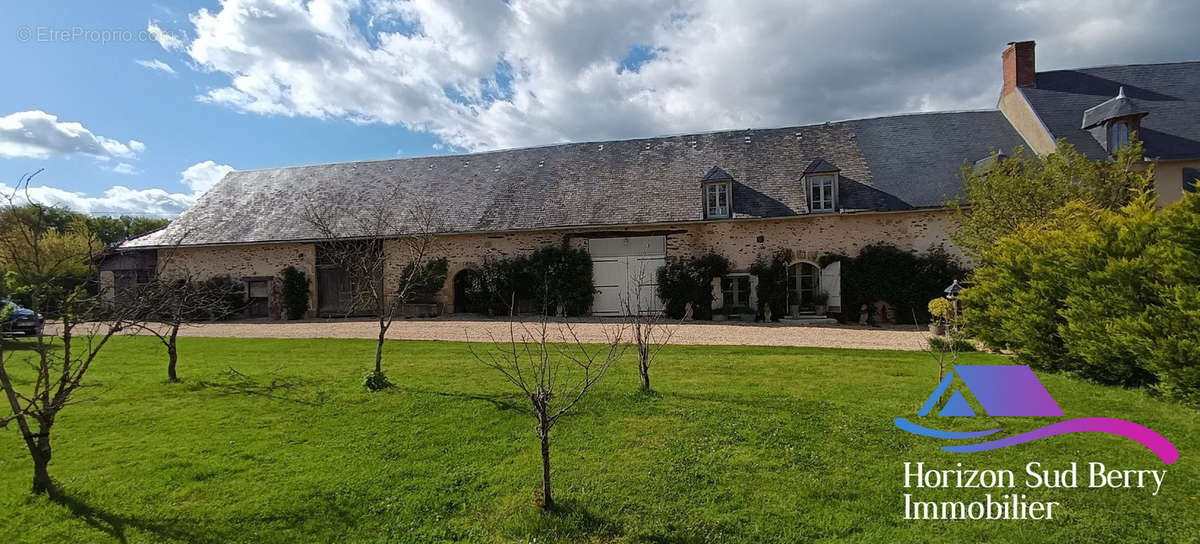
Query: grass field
[738,445]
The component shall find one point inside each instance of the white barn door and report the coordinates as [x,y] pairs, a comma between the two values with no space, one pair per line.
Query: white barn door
[626,269]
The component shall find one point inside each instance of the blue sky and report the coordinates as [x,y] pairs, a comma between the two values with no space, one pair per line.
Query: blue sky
[101,86]
[263,83]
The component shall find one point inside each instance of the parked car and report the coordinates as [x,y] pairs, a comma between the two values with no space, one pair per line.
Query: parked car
[20,320]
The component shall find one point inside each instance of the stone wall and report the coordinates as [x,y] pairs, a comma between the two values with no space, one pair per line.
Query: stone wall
[241,261]
[740,239]
[807,236]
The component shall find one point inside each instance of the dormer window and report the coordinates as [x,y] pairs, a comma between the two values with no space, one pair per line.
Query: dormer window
[718,199]
[821,183]
[821,193]
[1114,121]
[717,194]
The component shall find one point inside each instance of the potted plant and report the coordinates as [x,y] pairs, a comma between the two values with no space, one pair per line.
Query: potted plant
[820,301]
[942,311]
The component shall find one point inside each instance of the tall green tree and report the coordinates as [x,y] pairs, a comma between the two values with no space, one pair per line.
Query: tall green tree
[1011,192]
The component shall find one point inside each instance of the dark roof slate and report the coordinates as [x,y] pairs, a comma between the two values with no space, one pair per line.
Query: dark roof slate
[820,166]
[1169,93]
[888,163]
[716,174]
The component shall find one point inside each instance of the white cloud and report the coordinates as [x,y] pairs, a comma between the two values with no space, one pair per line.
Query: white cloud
[155,64]
[40,135]
[201,176]
[116,200]
[119,199]
[502,74]
[124,168]
[168,41]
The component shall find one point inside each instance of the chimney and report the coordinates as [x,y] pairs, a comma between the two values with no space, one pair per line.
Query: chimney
[1019,69]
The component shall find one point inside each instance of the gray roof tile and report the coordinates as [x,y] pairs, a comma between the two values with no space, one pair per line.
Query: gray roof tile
[1169,93]
[888,163]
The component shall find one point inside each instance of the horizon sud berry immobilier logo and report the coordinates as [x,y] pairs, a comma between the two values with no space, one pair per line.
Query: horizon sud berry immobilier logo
[1014,391]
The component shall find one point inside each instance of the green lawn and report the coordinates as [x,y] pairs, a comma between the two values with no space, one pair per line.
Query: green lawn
[740,445]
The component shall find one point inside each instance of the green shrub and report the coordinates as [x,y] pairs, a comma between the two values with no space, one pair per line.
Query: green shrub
[1112,296]
[295,293]
[941,308]
[905,279]
[376,381]
[230,294]
[560,277]
[681,281]
[421,286]
[772,273]
[550,278]
[955,343]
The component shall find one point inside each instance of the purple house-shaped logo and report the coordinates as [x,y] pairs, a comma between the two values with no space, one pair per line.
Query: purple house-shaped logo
[1015,391]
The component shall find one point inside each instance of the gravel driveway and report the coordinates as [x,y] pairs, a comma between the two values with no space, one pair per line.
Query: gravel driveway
[589,330]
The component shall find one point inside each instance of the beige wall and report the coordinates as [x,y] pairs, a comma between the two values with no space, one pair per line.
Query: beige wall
[1018,112]
[1168,179]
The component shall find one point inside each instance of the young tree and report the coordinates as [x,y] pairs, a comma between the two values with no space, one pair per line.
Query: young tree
[58,364]
[168,304]
[651,328]
[354,238]
[554,371]
[1011,192]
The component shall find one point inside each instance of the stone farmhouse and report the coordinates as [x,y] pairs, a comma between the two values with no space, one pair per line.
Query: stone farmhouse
[828,188]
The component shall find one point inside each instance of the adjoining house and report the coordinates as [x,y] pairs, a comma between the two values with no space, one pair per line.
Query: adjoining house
[829,188]
[1097,110]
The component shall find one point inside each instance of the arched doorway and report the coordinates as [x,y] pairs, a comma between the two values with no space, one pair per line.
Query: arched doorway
[804,282]
[462,288]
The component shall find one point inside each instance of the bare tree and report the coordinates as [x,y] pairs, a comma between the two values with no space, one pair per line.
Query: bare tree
[354,235]
[168,304]
[554,371]
[58,364]
[650,327]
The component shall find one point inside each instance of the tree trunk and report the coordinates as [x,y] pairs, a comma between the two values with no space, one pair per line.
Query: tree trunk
[172,354]
[41,473]
[379,348]
[644,365]
[547,499]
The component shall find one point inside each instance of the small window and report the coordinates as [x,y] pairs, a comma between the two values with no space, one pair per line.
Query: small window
[717,199]
[735,291]
[821,189]
[1118,135]
[1191,178]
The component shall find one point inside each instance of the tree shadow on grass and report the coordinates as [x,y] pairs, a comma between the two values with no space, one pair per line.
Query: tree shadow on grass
[232,382]
[117,525]
[568,521]
[199,530]
[503,402]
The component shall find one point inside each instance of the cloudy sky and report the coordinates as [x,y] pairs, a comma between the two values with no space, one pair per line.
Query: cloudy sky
[139,108]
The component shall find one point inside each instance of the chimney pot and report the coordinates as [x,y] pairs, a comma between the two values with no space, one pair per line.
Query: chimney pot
[1019,67]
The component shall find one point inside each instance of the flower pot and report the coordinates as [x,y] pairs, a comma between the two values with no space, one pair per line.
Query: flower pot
[937,328]
[718,317]
[747,318]
[822,309]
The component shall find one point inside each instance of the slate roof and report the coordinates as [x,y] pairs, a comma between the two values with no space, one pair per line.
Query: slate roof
[1169,93]
[887,163]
